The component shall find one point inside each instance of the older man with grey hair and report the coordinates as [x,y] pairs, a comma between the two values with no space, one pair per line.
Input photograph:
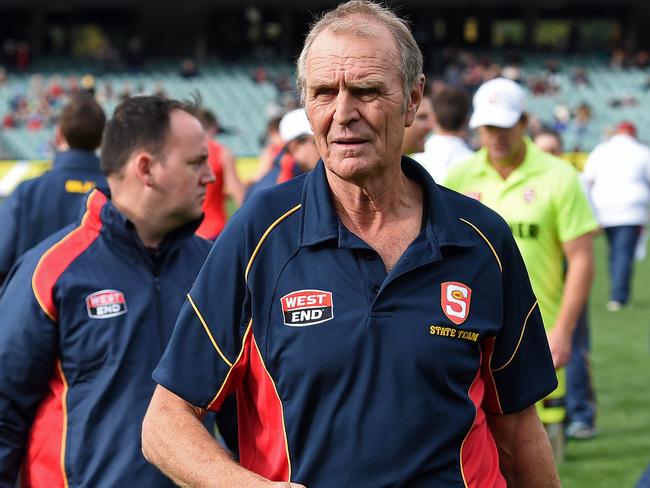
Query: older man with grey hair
[378,330]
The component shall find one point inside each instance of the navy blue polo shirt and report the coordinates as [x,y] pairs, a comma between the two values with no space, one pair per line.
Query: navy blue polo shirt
[351,377]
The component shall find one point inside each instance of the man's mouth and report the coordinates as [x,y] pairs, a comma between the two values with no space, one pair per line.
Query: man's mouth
[349,141]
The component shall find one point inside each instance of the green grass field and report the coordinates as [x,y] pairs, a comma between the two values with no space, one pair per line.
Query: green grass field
[621,369]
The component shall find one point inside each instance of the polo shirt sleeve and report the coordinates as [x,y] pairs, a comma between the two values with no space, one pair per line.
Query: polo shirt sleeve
[28,349]
[574,215]
[206,356]
[519,360]
[9,235]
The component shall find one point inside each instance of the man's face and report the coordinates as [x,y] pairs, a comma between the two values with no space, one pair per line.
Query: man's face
[305,152]
[416,135]
[182,173]
[549,143]
[354,100]
[503,143]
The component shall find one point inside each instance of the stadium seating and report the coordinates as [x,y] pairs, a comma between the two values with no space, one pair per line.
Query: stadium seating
[241,104]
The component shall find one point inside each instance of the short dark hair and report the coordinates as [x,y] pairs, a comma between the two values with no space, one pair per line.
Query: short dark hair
[207,118]
[82,122]
[140,122]
[451,106]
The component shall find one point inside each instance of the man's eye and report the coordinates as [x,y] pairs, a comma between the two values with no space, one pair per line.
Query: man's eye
[324,92]
[366,92]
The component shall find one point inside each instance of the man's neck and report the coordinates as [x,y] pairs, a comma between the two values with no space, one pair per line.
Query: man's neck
[142,219]
[370,203]
[506,166]
[386,212]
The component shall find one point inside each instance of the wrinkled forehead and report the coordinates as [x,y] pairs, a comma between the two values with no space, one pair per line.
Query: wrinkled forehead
[355,53]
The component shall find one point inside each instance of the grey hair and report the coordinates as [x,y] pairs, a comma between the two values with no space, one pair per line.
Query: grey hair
[346,19]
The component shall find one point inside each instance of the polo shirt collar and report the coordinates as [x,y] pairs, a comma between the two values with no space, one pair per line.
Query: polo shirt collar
[320,221]
[529,166]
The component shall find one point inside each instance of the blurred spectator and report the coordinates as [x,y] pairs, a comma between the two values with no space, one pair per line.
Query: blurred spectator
[561,118]
[273,146]
[22,57]
[541,199]
[446,147]
[580,394]
[298,139]
[43,205]
[260,76]
[642,59]
[159,90]
[226,181]
[579,76]
[617,173]
[88,83]
[580,128]
[416,134]
[617,60]
[189,68]
[512,72]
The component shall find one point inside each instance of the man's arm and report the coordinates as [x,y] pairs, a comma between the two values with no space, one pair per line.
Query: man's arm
[175,440]
[525,455]
[580,273]
[234,187]
[28,350]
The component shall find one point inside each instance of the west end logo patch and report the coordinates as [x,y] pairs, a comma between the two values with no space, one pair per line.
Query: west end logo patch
[105,304]
[455,299]
[307,307]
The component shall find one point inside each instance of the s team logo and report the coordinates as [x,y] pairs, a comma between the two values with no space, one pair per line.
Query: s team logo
[307,307]
[105,304]
[455,300]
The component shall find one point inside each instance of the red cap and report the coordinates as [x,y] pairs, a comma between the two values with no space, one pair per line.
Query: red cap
[626,127]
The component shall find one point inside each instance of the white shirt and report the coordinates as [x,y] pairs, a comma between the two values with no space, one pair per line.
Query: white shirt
[617,174]
[441,153]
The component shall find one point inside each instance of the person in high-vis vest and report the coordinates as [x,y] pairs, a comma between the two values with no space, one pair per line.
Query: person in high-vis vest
[541,198]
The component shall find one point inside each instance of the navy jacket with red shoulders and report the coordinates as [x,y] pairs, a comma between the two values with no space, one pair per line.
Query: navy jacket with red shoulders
[84,319]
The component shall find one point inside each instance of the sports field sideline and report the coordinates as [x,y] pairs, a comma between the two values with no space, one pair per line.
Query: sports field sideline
[621,368]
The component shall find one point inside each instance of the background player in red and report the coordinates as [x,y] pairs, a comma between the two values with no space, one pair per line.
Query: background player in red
[226,183]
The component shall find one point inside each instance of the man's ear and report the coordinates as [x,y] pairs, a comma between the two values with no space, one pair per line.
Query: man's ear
[415,97]
[59,139]
[143,163]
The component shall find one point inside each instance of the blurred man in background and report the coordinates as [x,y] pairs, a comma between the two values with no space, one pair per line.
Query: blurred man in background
[541,199]
[39,207]
[580,392]
[617,174]
[298,138]
[447,146]
[416,135]
[226,182]
[86,315]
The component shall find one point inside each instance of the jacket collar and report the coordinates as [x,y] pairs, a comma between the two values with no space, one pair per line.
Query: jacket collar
[76,159]
[103,215]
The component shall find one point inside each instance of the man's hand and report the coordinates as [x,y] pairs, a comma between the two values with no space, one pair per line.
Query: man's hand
[560,341]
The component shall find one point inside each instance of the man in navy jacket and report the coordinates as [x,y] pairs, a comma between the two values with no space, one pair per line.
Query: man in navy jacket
[39,207]
[87,313]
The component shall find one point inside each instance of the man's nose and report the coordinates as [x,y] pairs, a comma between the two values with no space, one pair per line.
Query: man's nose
[208,175]
[345,110]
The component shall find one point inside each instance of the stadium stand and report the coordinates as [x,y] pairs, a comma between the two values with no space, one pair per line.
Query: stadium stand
[242,104]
